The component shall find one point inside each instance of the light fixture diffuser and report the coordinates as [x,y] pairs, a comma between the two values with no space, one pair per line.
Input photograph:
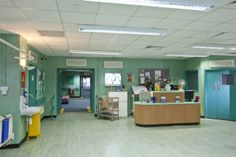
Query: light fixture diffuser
[208,47]
[95,52]
[121,30]
[233,48]
[159,3]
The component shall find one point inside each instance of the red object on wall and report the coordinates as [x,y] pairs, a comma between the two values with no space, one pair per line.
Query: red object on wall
[23,80]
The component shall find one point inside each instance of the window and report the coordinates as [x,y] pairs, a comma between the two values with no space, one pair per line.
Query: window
[192,80]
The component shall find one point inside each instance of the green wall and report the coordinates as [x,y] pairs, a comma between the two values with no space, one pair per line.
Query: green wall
[10,76]
[202,64]
[176,70]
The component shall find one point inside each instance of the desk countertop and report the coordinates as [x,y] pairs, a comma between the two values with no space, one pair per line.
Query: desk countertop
[168,103]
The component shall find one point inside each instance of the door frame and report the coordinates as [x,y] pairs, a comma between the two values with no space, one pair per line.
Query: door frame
[92,86]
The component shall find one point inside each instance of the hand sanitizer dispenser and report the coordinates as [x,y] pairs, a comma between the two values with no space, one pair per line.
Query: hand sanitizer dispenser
[4,90]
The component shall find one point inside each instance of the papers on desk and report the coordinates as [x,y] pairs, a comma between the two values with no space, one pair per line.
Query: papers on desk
[138,89]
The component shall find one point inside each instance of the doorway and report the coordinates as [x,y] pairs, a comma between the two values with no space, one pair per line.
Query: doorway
[75,90]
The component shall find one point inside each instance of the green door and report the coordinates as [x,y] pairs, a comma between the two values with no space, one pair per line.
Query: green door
[32,86]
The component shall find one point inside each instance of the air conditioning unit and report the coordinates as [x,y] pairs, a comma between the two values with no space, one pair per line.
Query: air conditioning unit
[221,63]
[76,62]
[113,64]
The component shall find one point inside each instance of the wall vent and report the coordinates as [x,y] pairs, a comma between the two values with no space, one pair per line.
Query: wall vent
[113,64]
[76,62]
[221,63]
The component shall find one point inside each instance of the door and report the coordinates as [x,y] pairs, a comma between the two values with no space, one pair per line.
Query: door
[217,96]
[32,86]
[211,96]
[223,98]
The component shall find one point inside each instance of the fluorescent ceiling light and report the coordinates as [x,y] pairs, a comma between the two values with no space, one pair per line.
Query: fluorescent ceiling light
[95,52]
[208,47]
[158,3]
[233,48]
[185,55]
[121,30]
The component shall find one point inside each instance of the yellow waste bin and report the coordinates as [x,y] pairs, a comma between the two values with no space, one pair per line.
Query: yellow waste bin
[35,126]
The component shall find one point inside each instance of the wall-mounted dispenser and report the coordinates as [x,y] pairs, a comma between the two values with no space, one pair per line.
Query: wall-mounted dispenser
[4,90]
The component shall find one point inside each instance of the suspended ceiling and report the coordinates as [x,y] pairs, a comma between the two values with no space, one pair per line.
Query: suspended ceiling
[184,28]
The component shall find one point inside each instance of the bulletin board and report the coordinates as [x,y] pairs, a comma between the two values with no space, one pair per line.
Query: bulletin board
[152,75]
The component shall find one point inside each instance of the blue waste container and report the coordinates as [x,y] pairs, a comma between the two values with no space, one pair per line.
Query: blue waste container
[5,128]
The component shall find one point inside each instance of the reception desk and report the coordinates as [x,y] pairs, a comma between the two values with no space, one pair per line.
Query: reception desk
[147,114]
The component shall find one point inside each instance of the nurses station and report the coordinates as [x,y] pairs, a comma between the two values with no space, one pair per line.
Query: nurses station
[104,78]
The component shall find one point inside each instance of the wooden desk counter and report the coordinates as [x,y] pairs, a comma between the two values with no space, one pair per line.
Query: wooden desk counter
[166,113]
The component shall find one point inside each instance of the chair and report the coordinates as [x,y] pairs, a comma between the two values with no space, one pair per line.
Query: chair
[108,108]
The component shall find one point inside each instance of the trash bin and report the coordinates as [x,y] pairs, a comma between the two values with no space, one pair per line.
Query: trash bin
[5,129]
[35,126]
[1,119]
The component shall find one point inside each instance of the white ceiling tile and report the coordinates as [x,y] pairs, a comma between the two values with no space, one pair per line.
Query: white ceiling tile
[15,23]
[139,45]
[105,36]
[225,27]
[124,37]
[75,41]
[71,27]
[204,35]
[6,3]
[142,22]
[111,20]
[42,16]
[168,40]
[10,13]
[230,41]
[152,12]
[80,18]
[78,35]
[183,33]
[149,38]
[55,41]
[79,47]
[220,15]
[97,47]
[117,9]
[117,46]
[39,4]
[186,15]
[78,6]
[172,24]
[47,26]
[199,26]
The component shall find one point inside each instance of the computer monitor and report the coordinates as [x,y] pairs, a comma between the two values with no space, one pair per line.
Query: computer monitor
[189,94]
[174,87]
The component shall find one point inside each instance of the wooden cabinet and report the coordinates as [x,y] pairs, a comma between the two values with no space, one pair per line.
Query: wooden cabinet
[166,114]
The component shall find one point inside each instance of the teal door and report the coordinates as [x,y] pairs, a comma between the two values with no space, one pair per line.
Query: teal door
[233,97]
[211,94]
[217,96]
[32,86]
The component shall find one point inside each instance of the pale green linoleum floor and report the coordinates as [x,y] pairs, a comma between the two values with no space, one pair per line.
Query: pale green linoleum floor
[82,135]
